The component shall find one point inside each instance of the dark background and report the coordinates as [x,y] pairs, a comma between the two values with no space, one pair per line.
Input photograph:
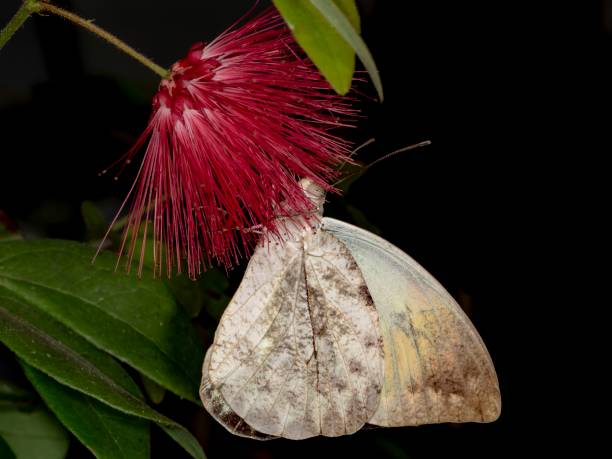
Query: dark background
[489,83]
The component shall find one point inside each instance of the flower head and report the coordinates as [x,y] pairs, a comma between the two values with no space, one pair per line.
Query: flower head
[233,128]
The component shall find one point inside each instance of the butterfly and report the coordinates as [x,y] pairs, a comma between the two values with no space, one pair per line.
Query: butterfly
[332,329]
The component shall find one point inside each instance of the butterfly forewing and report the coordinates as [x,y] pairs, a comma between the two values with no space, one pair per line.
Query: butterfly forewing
[437,368]
[298,351]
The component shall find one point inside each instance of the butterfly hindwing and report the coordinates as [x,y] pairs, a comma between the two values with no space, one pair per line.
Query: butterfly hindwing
[298,351]
[217,407]
[437,369]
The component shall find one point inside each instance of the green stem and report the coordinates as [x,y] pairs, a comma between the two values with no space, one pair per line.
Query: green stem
[43,6]
[109,37]
[27,8]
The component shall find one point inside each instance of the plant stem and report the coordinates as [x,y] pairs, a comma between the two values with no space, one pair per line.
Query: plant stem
[110,38]
[27,8]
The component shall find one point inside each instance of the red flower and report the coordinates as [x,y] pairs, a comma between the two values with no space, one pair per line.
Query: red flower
[233,128]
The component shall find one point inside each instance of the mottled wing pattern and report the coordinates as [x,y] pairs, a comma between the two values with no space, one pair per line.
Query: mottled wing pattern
[217,407]
[298,351]
[437,369]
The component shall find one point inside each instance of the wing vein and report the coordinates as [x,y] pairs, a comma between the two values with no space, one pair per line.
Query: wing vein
[335,339]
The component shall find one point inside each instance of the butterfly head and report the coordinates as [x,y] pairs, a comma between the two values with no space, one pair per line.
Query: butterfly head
[315,193]
[293,226]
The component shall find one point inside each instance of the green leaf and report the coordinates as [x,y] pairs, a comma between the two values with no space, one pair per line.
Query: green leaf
[189,293]
[5,450]
[95,223]
[48,345]
[185,439]
[208,292]
[29,327]
[32,435]
[324,45]
[154,391]
[45,343]
[135,320]
[13,396]
[108,433]
[7,234]
[341,22]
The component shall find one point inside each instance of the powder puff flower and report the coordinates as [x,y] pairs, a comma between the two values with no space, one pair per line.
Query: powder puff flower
[235,125]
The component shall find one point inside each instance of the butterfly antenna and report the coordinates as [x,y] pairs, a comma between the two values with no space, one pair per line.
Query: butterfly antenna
[398,151]
[355,151]
[362,146]
[387,156]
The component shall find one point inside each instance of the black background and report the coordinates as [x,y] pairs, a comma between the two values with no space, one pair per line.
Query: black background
[491,84]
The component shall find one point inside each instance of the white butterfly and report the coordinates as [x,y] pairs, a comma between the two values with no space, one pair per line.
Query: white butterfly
[334,327]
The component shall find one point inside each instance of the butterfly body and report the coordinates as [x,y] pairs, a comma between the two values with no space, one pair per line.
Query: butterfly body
[332,328]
